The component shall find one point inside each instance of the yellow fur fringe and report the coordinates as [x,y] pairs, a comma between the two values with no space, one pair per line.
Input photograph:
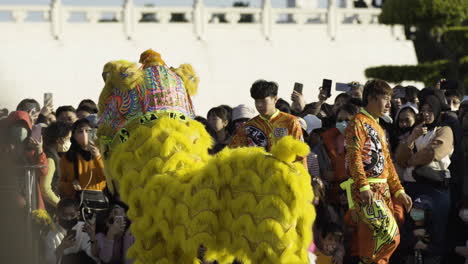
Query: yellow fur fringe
[189,77]
[242,203]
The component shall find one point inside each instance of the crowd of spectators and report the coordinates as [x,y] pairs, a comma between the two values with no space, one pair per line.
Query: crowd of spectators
[427,127]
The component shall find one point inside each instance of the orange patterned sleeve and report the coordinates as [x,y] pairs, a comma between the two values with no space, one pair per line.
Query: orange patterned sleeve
[296,130]
[239,139]
[356,137]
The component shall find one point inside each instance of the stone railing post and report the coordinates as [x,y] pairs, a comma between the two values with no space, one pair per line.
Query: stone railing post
[199,20]
[56,18]
[332,19]
[267,19]
[129,19]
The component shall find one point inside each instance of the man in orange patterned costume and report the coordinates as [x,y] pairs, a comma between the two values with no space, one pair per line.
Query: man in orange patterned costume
[374,181]
[270,125]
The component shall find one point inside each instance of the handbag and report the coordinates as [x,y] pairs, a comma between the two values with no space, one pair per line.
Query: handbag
[91,199]
[428,174]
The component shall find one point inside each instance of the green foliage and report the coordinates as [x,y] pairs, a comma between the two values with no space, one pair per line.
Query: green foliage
[424,13]
[428,73]
[456,39]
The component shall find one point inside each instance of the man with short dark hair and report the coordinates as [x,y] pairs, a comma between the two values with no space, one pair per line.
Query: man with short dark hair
[271,124]
[67,114]
[374,182]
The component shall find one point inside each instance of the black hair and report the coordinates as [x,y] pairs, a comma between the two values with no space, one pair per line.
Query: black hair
[67,202]
[79,124]
[346,96]
[220,112]
[85,108]
[262,89]
[89,103]
[349,108]
[75,148]
[436,92]
[228,109]
[54,132]
[28,105]
[208,128]
[283,106]
[410,93]
[374,88]
[456,93]
[65,108]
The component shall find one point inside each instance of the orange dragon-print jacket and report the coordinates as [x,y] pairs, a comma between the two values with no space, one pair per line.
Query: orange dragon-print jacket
[367,153]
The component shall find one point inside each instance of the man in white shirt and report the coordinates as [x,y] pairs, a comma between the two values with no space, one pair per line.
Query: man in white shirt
[72,241]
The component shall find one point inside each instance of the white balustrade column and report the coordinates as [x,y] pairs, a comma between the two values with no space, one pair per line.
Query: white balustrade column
[199,20]
[267,19]
[56,18]
[332,19]
[129,19]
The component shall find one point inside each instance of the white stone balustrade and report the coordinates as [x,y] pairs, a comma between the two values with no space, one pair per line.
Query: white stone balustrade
[92,14]
[233,15]
[331,18]
[299,16]
[163,14]
[20,13]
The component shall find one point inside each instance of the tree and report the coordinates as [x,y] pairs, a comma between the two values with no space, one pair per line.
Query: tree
[436,29]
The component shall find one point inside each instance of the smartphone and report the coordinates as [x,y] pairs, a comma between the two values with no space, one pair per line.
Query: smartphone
[119,219]
[36,132]
[342,87]
[48,99]
[326,86]
[298,87]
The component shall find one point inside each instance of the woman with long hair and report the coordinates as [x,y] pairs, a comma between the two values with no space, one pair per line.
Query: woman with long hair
[81,167]
[56,143]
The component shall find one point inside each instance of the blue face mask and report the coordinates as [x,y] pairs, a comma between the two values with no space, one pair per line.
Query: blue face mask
[341,126]
[417,214]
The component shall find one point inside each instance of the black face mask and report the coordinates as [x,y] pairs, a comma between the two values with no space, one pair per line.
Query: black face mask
[68,224]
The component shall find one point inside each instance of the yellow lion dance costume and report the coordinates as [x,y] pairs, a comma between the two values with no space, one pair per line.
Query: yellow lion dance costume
[243,204]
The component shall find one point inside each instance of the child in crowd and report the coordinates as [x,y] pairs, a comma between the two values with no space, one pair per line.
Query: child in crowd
[218,120]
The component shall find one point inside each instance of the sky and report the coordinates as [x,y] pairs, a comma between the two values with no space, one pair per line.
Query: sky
[220,3]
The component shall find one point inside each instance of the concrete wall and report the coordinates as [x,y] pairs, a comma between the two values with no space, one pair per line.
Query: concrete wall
[227,56]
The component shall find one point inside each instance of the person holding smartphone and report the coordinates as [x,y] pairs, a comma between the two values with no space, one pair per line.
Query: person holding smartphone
[72,241]
[116,239]
[81,167]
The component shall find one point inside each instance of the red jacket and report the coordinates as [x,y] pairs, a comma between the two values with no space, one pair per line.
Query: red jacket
[32,158]
[334,143]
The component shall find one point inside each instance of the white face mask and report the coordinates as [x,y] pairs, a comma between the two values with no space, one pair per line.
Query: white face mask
[464,215]
[341,126]
[64,147]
